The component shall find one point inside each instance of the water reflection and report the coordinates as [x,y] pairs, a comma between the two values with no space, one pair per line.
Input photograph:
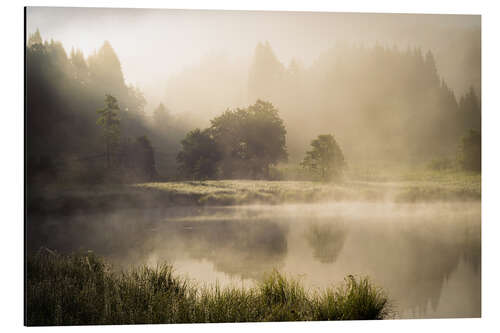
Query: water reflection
[326,240]
[239,248]
[428,258]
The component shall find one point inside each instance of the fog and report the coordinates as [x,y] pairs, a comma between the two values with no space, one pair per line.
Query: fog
[154,44]
[427,257]
[323,65]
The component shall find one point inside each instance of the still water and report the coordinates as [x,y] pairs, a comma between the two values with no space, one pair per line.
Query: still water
[427,257]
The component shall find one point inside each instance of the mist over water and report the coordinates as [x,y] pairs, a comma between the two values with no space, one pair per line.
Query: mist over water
[427,257]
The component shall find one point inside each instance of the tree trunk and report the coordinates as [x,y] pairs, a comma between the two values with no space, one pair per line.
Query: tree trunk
[107,154]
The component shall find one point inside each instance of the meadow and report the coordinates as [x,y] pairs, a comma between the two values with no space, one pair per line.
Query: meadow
[405,186]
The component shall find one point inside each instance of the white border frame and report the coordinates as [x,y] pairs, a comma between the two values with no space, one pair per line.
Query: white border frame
[12,81]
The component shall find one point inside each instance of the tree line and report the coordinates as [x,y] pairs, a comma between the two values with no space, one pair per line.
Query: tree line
[241,143]
[385,102]
[63,93]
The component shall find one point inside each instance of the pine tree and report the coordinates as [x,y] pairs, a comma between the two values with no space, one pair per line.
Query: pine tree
[110,122]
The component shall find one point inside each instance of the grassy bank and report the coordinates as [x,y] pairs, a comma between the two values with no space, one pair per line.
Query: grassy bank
[82,289]
[411,187]
[414,186]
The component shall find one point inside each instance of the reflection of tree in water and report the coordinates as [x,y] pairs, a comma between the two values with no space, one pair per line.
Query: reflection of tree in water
[105,234]
[411,259]
[243,248]
[471,250]
[326,240]
[432,253]
[433,261]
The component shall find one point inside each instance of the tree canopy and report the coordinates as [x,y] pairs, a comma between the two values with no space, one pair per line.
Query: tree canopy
[63,93]
[199,156]
[251,140]
[325,161]
[247,141]
[395,98]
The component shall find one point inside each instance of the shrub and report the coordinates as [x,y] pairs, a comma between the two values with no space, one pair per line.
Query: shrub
[469,154]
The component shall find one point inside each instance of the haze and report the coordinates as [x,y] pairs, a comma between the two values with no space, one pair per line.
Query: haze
[155,44]
[230,143]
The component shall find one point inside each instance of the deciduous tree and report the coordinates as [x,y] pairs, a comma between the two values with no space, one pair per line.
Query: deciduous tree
[325,161]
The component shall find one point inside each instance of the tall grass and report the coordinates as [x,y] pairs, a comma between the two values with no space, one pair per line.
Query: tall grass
[82,289]
[356,299]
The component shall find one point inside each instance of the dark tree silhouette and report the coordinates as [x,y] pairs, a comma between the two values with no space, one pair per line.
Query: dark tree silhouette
[241,143]
[251,140]
[110,123]
[326,160]
[395,98]
[469,155]
[199,155]
[62,93]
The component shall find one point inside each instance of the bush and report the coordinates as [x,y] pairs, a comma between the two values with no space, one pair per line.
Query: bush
[469,154]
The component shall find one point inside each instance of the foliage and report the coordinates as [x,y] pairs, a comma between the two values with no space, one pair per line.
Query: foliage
[147,160]
[35,39]
[469,154]
[61,91]
[266,72]
[388,101]
[84,290]
[167,130]
[161,115]
[110,123]
[61,88]
[199,155]
[469,108]
[241,143]
[137,159]
[105,68]
[326,160]
[251,140]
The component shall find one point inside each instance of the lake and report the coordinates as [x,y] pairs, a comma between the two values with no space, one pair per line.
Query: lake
[427,257]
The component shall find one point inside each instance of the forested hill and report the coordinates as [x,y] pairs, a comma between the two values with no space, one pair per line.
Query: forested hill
[381,102]
[63,94]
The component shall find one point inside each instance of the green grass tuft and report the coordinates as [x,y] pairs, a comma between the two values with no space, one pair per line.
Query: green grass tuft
[354,300]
